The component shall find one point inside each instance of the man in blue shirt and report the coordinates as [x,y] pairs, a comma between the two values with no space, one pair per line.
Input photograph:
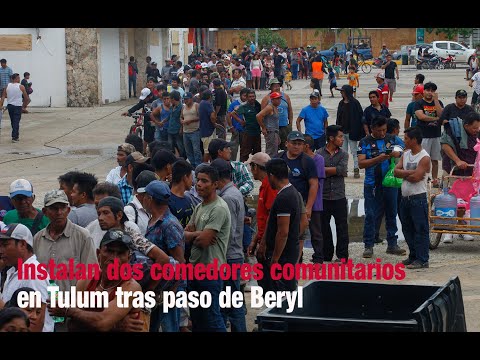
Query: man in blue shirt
[374,155]
[236,123]
[174,126]
[5,75]
[316,120]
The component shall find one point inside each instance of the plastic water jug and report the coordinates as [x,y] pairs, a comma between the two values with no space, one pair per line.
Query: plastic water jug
[475,210]
[446,206]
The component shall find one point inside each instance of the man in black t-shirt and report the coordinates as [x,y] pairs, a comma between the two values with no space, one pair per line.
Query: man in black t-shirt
[458,109]
[428,111]
[220,106]
[283,227]
[391,68]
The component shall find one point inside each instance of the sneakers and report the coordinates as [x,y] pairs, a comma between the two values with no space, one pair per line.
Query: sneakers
[417,265]
[396,250]
[356,173]
[447,239]
[15,140]
[368,252]
[378,241]
[466,237]
[407,261]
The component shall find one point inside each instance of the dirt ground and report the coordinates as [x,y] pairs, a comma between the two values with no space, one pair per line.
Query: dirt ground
[56,140]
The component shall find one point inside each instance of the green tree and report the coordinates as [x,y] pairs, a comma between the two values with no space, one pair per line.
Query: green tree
[451,33]
[266,38]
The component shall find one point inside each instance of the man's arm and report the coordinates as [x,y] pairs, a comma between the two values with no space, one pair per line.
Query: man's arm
[283,225]
[447,149]
[396,70]
[312,195]
[299,121]
[363,162]
[26,98]
[340,169]
[155,115]
[406,123]
[290,109]
[266,111]
[244,181]
[4,95]
[438,106]
[264,101]
[416,175]
[103,320]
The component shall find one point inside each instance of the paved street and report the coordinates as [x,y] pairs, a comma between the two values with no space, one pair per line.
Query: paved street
[56,140]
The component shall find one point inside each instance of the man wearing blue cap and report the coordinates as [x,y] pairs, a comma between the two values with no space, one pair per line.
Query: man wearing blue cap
[165,231]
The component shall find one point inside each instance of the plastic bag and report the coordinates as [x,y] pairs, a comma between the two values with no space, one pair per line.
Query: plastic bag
[476,168]
[390,180]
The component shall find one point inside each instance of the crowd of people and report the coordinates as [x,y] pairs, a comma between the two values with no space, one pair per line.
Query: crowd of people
[179,194]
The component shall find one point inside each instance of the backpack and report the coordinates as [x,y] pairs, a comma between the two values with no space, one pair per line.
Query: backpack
[131,72]
[134,209]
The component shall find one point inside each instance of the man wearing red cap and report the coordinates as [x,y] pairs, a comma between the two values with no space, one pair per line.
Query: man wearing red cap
[268,121]
[410,118]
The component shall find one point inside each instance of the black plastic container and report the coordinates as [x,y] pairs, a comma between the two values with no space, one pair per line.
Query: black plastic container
[361,306]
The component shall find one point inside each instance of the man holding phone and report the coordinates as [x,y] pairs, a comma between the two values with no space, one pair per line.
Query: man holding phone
[374,155]
[428,111]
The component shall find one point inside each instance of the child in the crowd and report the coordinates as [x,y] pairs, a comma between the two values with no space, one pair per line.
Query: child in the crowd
[353,79]
[28,88]
[288,79]
[332,80]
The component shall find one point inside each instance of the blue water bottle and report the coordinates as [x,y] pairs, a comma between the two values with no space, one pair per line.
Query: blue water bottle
[445,206]
[475,210]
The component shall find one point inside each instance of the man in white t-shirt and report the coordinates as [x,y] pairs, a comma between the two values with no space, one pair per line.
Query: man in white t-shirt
[117,173]
[16,243]
[238,84]
[475,83]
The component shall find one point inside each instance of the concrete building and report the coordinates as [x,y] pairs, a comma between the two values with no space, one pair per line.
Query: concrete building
[86,66]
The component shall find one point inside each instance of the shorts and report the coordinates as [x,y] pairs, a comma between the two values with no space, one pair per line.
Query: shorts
[392,85]
[432,147]
[256,73]
[354,89]
[206,141]
[333,86]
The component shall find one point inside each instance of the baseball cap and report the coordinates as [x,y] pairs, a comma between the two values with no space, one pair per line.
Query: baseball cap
[153,63]
[418,89]
[127,148]
[158,190]
[275,95]
[116,235]
[55,196]
[113,203]
[216,145]
[295,135]
[217,82]
[143,179]
[273,81]
[145,92]
[135,157]
[223,167]
[259,158]
[345,87]
[461,93]
[198,67]
[21,187]
[188,95]
[204,65]
[380,75]
[315,93]
[18,232]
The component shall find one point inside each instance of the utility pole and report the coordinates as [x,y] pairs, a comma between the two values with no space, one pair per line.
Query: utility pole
[256,38]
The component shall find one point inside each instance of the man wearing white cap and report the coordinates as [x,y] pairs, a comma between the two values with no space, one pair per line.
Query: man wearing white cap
[382,89]
[16,243]
[21,194]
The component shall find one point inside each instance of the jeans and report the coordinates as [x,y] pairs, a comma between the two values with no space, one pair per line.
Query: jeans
[377,198]
[414,218]
[294,71]
[132,84]
[15,113]
[339,210]
[161,134]
[209,319]
[176,141]
[353,145]
[236,316]
[235,142]
[191,142]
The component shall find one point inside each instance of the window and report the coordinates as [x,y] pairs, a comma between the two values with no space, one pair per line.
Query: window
[442,45]
[454,46]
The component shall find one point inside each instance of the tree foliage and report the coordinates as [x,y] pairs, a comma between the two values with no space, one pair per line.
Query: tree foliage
[451,33]
[266,38]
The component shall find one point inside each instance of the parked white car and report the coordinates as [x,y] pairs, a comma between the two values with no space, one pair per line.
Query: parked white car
[445,48]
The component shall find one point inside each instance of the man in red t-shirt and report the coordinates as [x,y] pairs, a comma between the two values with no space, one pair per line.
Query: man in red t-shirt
[266,197]
[382,89]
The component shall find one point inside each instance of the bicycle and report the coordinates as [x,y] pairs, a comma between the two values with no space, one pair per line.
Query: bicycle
[365,67]
[137,127]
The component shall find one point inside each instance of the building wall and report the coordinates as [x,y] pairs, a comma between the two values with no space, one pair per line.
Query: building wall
[394,38]
[110,65]
[45,63]
[82,67]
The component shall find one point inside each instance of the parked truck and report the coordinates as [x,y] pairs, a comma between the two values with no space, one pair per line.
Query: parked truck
[366,53]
